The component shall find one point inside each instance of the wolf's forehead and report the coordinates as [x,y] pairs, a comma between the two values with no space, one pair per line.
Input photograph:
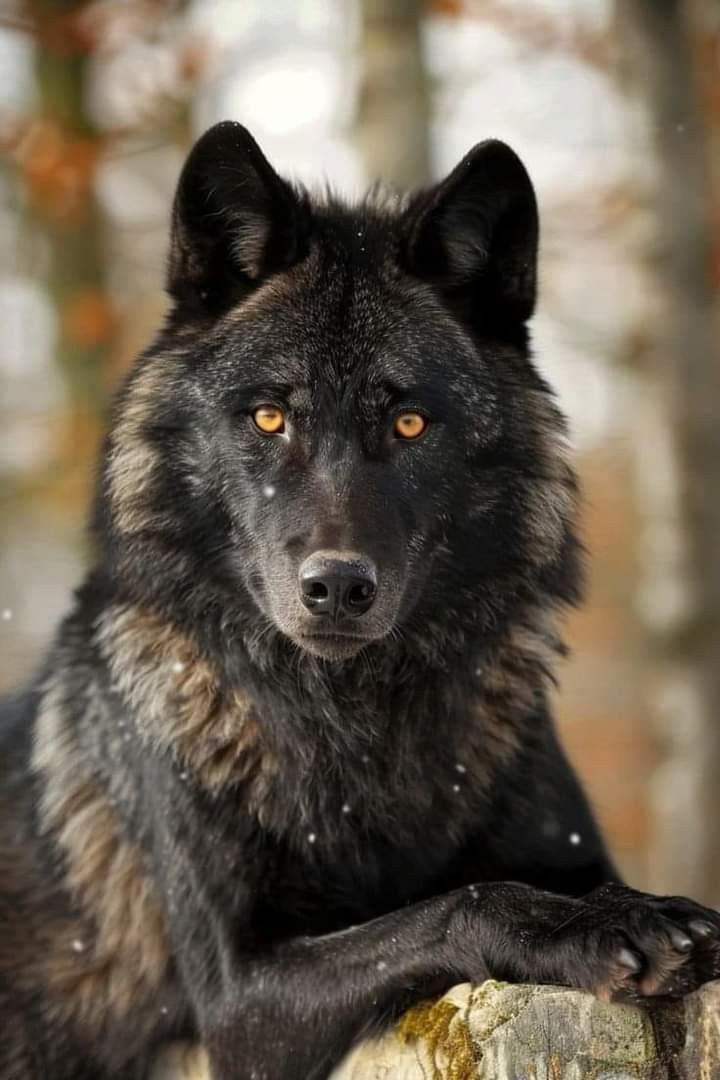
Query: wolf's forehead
[304,342]
[392,363]
[336,373]
[346,325]
[370,365]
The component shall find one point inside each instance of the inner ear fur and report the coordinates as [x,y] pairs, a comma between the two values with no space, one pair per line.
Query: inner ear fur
[475,234]
[235,222]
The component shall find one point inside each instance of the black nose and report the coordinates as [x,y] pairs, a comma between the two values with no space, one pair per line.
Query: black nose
[336,586]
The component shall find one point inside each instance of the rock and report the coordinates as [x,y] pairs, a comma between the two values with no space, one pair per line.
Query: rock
[497,1031]
[501,1032]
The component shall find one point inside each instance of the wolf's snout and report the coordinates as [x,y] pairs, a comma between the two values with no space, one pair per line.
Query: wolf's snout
[337,586]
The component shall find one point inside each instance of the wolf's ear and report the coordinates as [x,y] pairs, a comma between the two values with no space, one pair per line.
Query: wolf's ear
[475,235]
[234,220]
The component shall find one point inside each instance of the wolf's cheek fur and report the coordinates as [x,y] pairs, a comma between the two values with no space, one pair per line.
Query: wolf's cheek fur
[132,462]
[254,522]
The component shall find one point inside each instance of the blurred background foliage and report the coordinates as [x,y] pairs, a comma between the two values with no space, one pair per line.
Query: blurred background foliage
[615,107]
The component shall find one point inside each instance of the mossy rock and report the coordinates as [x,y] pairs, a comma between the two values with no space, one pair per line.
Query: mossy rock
[496,1031]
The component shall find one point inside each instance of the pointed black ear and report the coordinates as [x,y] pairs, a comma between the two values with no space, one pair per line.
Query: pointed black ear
[234,220]
[475,235]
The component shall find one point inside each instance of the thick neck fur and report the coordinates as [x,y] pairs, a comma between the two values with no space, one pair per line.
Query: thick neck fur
[271,728]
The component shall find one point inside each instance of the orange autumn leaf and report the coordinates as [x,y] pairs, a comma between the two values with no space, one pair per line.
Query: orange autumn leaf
[193,60]
[58,169]
[451,8]
[88,318]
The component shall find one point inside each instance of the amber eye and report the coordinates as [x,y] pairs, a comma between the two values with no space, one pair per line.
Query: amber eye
[409,425]
[269,419]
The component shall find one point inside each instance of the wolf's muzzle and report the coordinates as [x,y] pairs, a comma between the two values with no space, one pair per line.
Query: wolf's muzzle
[337,586]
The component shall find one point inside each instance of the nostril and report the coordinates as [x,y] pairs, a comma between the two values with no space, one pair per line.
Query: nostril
[360,595]
[316,591]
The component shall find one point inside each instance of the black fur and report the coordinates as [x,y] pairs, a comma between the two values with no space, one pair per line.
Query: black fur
[231,818]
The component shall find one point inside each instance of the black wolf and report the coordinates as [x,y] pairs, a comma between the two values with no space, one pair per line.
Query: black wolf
[289,766]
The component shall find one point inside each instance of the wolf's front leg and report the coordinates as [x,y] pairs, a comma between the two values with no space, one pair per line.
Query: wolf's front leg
[292,1013]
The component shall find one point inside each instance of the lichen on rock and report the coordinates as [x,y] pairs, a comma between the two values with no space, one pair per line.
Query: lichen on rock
[498,1031]
[440,1028]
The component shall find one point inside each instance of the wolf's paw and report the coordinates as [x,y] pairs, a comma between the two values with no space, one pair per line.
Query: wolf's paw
[628,945]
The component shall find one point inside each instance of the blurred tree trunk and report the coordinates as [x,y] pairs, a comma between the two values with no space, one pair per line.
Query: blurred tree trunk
[393,112]
[679,454]
[60,169]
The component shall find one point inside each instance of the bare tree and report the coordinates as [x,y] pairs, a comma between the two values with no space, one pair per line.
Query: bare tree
[681,452]
[393,110]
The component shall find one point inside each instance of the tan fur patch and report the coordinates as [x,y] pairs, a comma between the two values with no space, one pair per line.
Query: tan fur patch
[550,508]
[117,954]
[177,703]
[500,738]
[522,665]
[525,660]
[132,460]
[552,502]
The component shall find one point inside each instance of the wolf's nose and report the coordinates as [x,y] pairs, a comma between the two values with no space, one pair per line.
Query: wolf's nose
[335,586]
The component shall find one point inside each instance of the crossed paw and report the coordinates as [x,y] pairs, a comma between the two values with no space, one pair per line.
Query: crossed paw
[626,945]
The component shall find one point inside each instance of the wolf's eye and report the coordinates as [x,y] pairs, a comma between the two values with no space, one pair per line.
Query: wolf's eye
[269,419]
[409,425]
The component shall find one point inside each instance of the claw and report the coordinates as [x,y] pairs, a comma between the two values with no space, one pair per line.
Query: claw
[628,959]
[681,941]
[700,928]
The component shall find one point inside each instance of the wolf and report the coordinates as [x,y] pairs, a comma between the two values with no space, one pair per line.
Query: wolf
[290,764]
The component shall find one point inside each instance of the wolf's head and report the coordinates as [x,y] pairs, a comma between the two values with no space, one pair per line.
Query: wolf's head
[339,434]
